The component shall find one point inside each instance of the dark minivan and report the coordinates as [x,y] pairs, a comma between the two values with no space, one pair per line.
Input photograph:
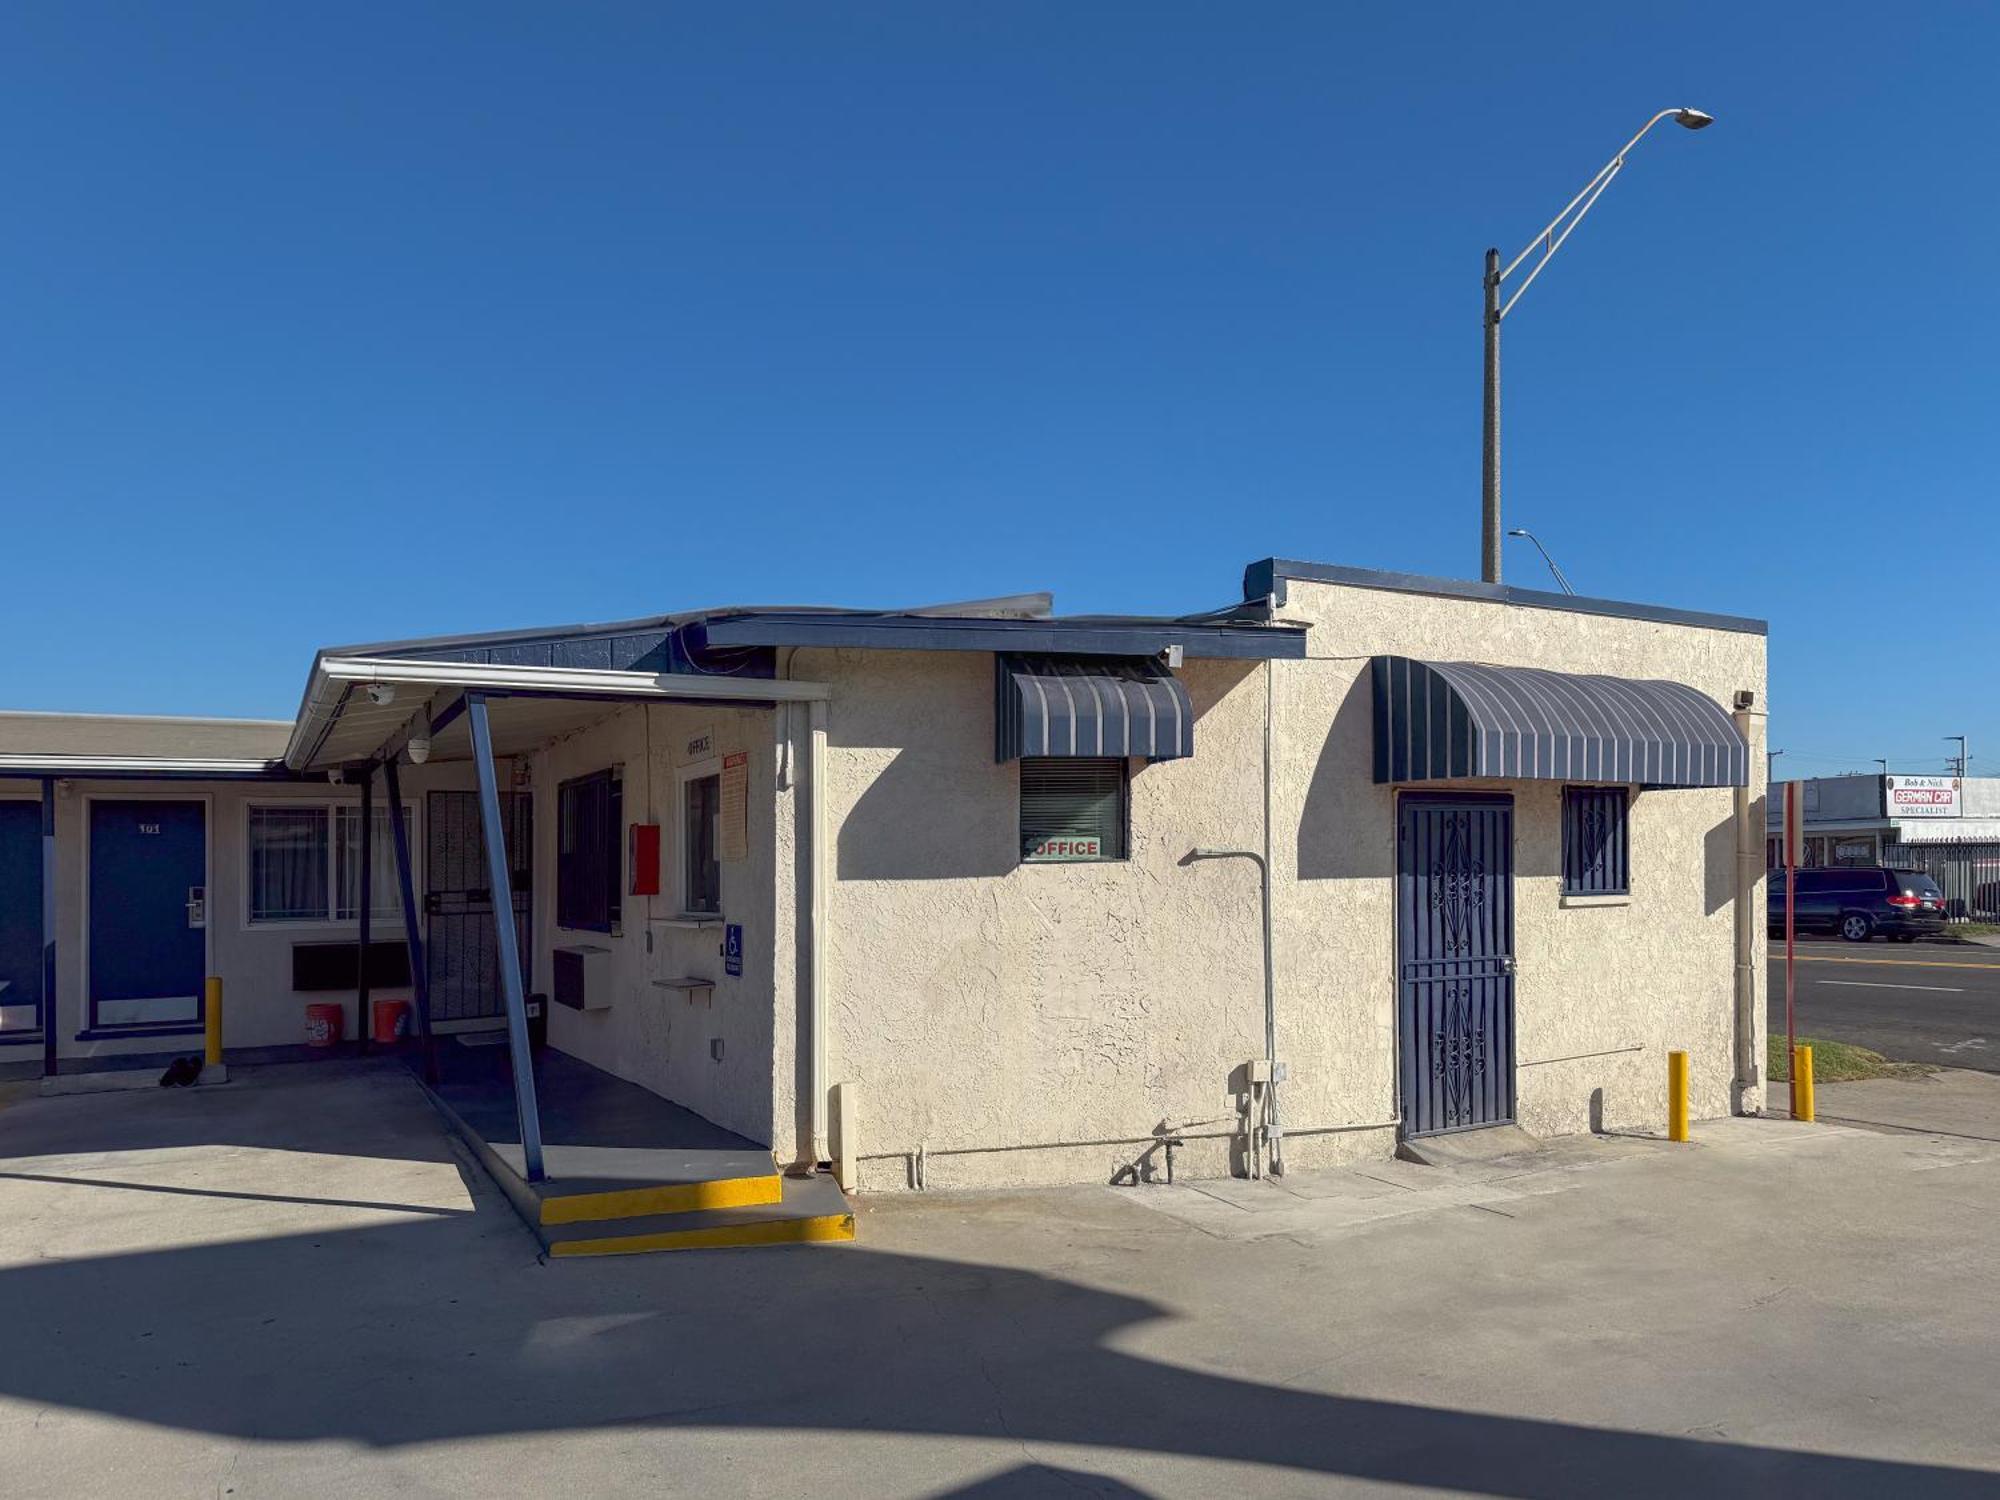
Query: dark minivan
[1858,904]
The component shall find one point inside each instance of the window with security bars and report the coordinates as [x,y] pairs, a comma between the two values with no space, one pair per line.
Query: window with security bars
[1073,809]
[590,858]
[1597,844]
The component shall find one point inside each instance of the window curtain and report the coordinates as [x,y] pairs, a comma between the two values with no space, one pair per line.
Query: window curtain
[287,864]
[384,895]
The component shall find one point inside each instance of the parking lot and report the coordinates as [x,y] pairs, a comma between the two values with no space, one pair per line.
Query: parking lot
[294,1285]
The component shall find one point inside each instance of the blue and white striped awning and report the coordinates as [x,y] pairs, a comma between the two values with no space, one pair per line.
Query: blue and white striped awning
[1442,720]
[1090,705]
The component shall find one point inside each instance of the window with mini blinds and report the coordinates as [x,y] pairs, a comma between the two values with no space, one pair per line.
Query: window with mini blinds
[1073,809]
[1597,844]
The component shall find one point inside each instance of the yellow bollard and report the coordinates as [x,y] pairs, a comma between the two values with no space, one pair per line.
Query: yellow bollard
[212,1070]
[1677,1096]
[1802,1087]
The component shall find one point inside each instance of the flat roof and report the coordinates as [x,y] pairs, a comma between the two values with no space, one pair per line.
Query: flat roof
[1266,580]
[145,737]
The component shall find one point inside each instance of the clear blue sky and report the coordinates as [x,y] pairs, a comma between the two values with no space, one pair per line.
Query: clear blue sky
[343,323]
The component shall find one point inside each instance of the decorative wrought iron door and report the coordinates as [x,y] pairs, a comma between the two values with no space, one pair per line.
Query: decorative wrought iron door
[460,954]
[1455,957]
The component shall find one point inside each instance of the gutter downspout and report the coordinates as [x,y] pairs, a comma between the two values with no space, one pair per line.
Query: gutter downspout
[1749,1084]
[1271,1090]
[816,868]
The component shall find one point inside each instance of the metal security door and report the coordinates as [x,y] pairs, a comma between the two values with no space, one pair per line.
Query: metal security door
[459,952]
[1455,957]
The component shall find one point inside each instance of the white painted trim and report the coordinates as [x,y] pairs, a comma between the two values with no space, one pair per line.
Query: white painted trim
[207,800]
[84,765]
[159,1010]
[694,771]
[331,677]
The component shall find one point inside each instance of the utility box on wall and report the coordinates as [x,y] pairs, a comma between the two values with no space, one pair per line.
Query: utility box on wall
[645,860]
[583,977]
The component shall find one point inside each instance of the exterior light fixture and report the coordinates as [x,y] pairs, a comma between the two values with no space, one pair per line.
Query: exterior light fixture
[1548,242]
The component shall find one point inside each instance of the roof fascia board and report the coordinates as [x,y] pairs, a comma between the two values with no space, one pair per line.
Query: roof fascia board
[571,681]
[333,678]
[1266,579]
[220,768]
[1032,636]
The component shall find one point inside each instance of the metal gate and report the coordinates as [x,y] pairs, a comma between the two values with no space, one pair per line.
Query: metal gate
[1968,874]
[460,955]
[1455,960]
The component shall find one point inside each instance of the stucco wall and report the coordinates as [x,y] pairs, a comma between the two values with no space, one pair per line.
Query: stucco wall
[1652,974]
[260,1007]
[977,1002]
[658,1037]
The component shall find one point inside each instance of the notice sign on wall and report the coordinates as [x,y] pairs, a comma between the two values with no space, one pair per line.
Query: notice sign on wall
[1921,796]
[733,839]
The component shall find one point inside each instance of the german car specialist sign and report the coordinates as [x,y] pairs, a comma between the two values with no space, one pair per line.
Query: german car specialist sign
[1920,796]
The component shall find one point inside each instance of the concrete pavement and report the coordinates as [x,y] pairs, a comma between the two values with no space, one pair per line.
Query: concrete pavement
[291,1288]
[1953,1103]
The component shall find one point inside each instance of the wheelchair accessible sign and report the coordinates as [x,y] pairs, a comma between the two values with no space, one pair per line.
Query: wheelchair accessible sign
[732,949]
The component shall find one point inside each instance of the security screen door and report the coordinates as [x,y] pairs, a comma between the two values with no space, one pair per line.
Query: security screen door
[1455,957]
[460,956]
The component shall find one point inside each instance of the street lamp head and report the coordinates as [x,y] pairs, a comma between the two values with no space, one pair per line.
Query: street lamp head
[1694,119]
[1517,531]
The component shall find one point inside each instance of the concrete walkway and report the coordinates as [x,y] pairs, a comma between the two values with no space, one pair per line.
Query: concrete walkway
[1954,1103]
[292,1288]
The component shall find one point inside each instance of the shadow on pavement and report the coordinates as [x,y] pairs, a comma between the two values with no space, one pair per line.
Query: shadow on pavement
[430,1330]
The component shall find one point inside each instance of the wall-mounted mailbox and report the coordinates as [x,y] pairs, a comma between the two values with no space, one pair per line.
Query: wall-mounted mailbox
[645,860]
[583,977]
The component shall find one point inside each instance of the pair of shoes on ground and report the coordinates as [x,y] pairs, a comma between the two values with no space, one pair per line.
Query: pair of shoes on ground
[181,1072]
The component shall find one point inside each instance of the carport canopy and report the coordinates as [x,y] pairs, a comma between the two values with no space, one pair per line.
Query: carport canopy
[363,712]
[1444,720]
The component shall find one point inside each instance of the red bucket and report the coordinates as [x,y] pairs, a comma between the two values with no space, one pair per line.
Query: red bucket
[324,1025]
[390,1021]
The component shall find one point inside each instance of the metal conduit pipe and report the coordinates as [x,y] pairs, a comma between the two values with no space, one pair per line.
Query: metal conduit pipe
[923,1152]
[1749,1085]
[820,867]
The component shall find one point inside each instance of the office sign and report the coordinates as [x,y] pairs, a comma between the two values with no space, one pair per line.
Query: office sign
[1920,796]
[1088,846]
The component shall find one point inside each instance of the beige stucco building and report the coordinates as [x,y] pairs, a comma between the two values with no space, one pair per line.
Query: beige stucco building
[972,896]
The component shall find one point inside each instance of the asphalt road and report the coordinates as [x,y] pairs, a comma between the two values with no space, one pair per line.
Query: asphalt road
[1932,1002]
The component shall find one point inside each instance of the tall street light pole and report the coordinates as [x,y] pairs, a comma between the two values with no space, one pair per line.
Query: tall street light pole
[1549,241]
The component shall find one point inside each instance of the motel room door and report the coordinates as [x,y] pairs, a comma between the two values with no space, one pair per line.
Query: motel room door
[1455,960]
[459,952]
[147,956]
[20,917]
